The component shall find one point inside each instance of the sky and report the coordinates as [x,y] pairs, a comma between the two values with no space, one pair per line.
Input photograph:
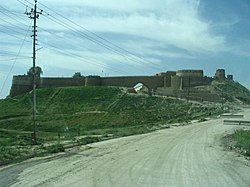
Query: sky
[128,37]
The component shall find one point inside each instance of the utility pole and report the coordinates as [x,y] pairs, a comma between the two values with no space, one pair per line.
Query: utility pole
[222,100]
[188,88]
[33,14]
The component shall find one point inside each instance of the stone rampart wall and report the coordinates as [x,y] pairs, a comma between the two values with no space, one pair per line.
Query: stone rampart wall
[20,85]
[23,84]
[192,95]
[61,82]
[152,82]
[189,73]
[195,81]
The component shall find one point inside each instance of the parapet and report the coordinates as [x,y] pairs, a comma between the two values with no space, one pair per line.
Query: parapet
[167,74]
[189,73]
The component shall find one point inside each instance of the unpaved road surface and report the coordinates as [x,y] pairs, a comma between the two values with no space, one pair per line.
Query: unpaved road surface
[179,156]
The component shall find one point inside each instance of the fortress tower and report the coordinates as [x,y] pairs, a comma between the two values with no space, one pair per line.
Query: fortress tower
[220,74]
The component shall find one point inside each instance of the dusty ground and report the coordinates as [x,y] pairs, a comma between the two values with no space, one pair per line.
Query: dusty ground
[180,156]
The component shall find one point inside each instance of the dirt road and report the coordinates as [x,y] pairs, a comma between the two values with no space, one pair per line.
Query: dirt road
[180,156]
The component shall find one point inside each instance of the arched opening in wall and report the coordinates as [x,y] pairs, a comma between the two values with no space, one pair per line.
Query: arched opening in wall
[141,88]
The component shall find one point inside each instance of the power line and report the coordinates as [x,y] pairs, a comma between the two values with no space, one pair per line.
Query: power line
[13,59]
[13,64]
[12,35]
[120,51]
[26,4]
[9,13]
[96,38]
[58,21]
[89,38]
[79,57]
[4,26]
[73,55]
[11,55]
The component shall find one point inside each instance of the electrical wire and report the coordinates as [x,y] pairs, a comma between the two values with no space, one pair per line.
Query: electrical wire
[76,56]
[13,64]
[8,13]
[97,42]
[92,60]
[84,36]
[96,39]
[13,59]
[79,57]
[14,35]
[122,51]
[25,4]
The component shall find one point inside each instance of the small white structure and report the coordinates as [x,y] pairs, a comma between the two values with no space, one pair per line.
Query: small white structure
[140,88]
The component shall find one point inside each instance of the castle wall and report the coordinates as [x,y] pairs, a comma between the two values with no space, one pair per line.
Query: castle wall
[189,73]
[167,74]
[61,82]
[168,83]
[20,85]
[24,84]
[176,83]
[152,82]
[192,94]
[93,81]
[188,82]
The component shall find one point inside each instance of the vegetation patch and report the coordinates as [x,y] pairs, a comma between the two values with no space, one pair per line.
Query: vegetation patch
[242,138]
[55,148]
[66,114]
[88,140]
[232,91]
[239,141]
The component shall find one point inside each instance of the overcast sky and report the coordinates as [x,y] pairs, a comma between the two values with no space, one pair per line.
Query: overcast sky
[128,37]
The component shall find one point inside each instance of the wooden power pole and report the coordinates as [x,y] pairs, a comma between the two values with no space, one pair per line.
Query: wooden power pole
[33,14]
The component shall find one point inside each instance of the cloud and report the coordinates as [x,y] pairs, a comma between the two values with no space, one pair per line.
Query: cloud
[174,22]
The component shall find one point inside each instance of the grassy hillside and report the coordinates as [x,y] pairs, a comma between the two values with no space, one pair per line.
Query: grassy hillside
[232,91]
[67,113]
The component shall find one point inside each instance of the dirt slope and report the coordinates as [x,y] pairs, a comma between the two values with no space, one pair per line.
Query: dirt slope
[181,156]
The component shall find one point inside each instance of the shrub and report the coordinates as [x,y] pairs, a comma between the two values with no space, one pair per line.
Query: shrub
[8,153]
[56,148]
[88,140]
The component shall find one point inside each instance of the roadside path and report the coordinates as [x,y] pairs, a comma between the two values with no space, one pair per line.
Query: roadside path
[179,156]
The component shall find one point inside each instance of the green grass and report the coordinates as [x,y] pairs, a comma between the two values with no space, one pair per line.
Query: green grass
[55,148]
[232,91]
[8,153]
[88,140]
[242,138]
[64,113]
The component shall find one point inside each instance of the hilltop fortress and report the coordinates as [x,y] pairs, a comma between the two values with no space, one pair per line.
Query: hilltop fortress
[181,83]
